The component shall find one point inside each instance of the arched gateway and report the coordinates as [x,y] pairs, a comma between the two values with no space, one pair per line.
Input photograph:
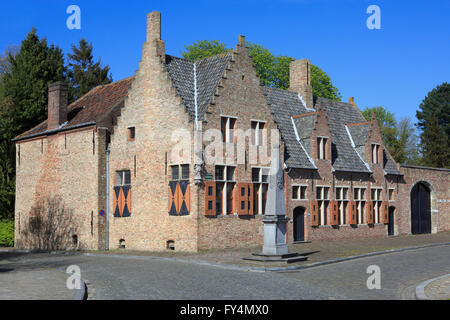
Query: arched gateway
[420,209]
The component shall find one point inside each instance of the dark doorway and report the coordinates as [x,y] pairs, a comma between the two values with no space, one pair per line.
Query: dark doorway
[299,224]
[420,209]
[391,221]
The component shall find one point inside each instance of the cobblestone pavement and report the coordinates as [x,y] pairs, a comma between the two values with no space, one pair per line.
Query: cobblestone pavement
[116,278]
[142,278]
[439,289]
[22,281]
[316,251]
[400,273]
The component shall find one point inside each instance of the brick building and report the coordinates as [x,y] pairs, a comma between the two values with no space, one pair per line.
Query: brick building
[177,157]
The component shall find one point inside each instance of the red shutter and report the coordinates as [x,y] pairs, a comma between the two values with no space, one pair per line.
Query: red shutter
[334,219]
[385,212]
[241,198]
[314,211]
[210,198]
[353,212]
[370,217]
[251,210]
[187,198]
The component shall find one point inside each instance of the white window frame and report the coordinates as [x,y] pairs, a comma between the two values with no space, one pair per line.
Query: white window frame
[322,154]
[342,202]
[225,182]
[299,191]
[258,138]
[229,133]
[375,153]
[377,201]
[258,185]
[322,203]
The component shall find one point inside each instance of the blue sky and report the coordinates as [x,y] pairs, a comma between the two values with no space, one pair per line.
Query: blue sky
[394,67]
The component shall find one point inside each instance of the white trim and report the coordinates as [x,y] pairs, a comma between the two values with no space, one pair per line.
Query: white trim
[354,147]
[304,104]
[301,145]
[195,97]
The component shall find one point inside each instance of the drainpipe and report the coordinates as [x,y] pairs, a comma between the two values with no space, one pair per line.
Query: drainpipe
[107,201]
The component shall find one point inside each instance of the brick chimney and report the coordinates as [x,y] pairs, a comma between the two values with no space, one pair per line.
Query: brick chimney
[57,104]
[154,33]
[300,80]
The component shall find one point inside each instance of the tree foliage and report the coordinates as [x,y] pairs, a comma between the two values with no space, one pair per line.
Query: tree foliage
[434,122]
[399,138]
[273,71]
[32,69]
[83,73]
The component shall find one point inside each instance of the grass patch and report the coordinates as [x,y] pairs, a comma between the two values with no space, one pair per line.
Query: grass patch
[6,233]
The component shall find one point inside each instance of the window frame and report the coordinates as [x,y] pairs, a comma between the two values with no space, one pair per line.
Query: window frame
[122,178]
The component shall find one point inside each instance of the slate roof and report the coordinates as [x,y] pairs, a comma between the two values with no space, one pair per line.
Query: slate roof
[102,104]
[209,72]
[284,105]
[344,155]
[96,106]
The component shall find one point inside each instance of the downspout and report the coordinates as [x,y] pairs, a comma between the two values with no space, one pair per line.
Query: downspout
[107,201]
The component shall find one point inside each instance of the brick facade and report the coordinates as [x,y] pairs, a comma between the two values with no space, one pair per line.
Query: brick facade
[329,161]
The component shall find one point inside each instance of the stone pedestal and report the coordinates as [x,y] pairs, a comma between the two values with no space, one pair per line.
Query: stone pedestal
[275,235]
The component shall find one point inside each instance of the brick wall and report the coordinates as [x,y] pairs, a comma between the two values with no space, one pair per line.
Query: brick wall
[65,165]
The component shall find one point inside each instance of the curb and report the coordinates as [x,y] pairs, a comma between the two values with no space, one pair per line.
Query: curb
[420,289]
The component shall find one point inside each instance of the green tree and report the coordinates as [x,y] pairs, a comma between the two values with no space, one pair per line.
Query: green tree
[33,68]
[434,122]
[5,66]
[387,123]
[203,49]
[406,149]
[27,72]
[273,71]
[83,73]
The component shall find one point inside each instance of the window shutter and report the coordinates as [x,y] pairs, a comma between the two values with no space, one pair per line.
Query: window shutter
[251,210]
[172,208]
[126,212]
[334,213]
[314,210]
[352,219]
[210,198]
[370,217]
[242,199]
[116,202]
[385,212]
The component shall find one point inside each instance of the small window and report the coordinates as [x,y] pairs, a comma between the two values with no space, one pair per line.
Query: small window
[230,173]
[255,174]
[131,134]
[321,148]
[295,191]
[299,192]
[227,126]
[180,172]
[175,172]
[391,194]
[375,153]
[123,178]
[220,173]
[184,172]
[257,129]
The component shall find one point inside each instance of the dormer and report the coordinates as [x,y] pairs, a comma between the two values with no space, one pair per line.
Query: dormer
[374,143]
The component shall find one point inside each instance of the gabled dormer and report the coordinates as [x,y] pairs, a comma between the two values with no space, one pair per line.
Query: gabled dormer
[320,141]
